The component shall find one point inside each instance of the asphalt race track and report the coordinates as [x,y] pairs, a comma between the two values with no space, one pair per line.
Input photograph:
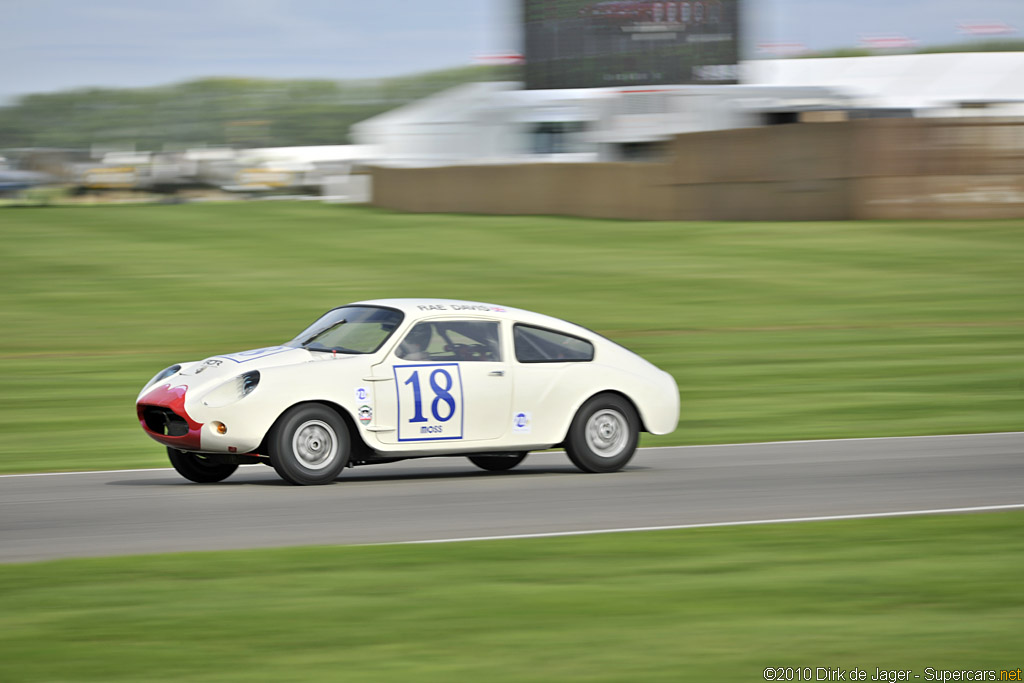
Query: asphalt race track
[149,511]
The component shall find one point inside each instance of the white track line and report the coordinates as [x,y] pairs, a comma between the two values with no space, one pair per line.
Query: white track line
[646,448]
[63,474]
[857,438]
[706,525]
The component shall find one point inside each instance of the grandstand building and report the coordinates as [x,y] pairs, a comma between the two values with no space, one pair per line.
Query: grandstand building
[484,123]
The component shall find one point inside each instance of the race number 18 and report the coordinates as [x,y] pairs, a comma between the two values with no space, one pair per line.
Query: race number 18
[429,402]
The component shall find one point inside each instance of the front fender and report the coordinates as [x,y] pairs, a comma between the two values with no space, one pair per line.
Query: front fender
[249,419]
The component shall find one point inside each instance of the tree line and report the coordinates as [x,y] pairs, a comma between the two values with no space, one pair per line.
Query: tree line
[239,112]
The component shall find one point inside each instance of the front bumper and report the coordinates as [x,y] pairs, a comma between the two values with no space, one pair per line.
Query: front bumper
[163,417]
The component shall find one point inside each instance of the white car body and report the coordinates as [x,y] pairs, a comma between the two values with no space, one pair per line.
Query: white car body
[397,407]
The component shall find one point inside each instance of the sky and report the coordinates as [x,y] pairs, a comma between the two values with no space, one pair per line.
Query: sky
[51,45]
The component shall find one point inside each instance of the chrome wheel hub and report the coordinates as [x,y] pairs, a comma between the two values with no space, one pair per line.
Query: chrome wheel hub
[607,433]
[315,445]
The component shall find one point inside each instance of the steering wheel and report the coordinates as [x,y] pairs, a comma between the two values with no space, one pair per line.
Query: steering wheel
[466,352]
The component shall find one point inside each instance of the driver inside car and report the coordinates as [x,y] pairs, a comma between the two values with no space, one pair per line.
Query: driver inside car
[414,346]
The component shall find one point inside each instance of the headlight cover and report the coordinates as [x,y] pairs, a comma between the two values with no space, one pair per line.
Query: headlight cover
[163,374]
[233,390]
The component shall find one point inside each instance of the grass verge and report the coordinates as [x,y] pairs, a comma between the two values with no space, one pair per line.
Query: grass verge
[773,331]
[705,605]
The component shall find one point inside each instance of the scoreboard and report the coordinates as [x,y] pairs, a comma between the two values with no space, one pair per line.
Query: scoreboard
[587,44]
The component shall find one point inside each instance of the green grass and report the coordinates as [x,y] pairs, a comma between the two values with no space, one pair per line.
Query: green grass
[698,605]
[773,331]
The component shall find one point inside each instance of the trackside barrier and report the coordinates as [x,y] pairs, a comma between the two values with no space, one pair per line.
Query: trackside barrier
[863,169]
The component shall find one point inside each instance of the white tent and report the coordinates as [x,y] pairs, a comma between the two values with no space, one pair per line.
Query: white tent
[937,82]
[459,123]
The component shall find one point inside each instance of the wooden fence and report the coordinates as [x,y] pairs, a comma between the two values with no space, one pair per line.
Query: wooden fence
[865,169]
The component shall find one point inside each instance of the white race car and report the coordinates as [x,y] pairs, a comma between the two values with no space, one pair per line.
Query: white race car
[381,381]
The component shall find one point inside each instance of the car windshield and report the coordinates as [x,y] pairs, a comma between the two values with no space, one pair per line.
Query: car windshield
[350,329]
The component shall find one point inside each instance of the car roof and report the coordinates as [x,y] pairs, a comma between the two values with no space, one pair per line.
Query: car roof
[416,309]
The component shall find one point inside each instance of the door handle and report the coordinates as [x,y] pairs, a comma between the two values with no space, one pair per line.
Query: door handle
[496,373]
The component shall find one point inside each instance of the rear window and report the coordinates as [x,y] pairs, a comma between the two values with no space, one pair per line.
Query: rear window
[540,345]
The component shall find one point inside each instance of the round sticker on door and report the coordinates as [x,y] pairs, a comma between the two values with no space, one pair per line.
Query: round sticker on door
[521,423]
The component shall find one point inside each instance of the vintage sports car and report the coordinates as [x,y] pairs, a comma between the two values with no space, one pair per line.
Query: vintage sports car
[381,381]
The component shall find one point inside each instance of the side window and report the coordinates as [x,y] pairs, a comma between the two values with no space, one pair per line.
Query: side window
[452,340]
[537,345]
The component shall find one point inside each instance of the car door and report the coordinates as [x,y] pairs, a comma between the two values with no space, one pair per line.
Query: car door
[553,374]
[451,384]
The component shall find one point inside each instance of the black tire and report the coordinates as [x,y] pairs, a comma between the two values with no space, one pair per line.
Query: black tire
[309,445]
[202,469]
[497,463]
[603,435]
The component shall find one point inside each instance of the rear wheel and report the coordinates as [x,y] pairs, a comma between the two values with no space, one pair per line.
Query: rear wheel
[604,434]
[202,469]
[497,463]
[309,445]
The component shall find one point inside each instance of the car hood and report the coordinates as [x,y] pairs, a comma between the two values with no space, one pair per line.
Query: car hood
[211,372]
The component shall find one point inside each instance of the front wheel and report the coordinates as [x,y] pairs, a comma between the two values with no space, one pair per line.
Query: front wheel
[309,445]
[603,435]
[497,463]
[201,469]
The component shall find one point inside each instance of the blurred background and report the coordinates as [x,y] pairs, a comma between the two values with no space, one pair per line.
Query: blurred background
[809,212]
[905,110]
[716,112]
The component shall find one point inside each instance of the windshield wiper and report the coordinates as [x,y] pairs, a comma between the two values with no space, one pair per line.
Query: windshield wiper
[323,332]
[331,349]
